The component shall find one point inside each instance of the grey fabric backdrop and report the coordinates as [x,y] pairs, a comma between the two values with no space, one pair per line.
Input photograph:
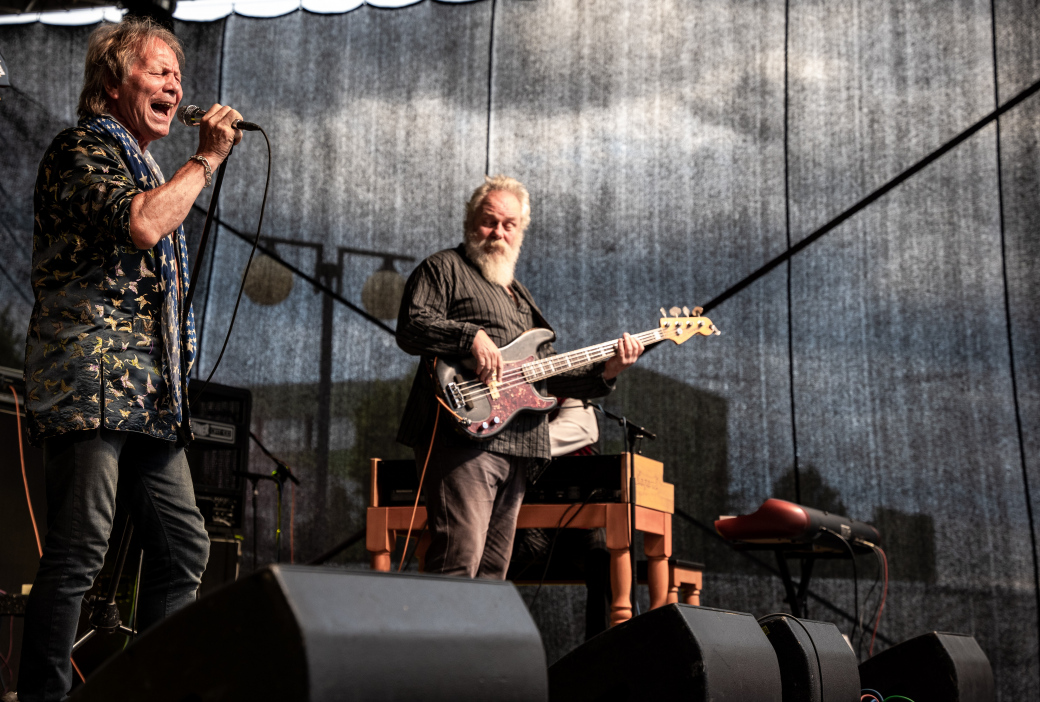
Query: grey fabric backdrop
[890,371]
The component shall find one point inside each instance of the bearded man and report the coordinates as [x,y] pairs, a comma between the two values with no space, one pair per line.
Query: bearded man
[465,302]
[109,348]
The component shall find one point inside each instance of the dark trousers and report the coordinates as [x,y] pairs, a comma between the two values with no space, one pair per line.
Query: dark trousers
[472,501]
[88,472]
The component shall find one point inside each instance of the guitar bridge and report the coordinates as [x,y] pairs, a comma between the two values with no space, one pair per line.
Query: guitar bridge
[455,395]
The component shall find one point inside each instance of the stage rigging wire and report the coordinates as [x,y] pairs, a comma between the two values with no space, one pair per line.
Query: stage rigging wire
[872,197]
[317,284]
[736,287]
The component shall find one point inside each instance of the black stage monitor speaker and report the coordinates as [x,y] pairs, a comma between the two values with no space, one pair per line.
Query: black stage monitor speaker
[679,651]
[934,667]
[816,663]
[298,633]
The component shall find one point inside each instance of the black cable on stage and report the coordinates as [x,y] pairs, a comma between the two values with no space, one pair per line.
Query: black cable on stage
[552,546]
[765,566]
[242,285]
[340,547]
[416,547]
[819,665]
[855,579]
[866,599]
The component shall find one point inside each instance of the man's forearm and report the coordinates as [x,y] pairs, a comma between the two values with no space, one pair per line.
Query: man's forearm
[426,336]
[155,213]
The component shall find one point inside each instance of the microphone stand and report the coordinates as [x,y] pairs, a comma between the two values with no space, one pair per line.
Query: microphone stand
[279,475]
[633,433]
[254,478]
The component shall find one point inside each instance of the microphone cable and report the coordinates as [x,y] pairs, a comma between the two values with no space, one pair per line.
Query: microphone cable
[242,284]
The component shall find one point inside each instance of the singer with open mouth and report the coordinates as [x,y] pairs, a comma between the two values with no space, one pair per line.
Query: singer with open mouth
[109,348]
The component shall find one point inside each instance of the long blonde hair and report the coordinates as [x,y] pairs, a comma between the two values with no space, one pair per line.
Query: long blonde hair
[112,52]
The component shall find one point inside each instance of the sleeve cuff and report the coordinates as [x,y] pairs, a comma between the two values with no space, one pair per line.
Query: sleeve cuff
[469,332]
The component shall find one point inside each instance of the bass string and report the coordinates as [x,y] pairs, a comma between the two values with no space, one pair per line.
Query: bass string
[475,388]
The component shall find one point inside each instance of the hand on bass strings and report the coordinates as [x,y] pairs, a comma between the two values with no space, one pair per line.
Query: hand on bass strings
[628,350]
[488,358]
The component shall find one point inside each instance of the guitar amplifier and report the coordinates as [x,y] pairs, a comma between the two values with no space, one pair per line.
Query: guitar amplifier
[220,422]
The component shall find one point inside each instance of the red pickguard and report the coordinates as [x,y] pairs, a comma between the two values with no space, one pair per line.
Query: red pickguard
[510,401]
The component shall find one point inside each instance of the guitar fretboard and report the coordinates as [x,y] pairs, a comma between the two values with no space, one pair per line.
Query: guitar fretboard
[563,362]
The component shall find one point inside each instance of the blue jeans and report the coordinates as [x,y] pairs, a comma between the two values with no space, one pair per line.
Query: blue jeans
[87,473]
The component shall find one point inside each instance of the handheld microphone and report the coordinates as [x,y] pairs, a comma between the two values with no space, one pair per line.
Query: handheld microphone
[191,116]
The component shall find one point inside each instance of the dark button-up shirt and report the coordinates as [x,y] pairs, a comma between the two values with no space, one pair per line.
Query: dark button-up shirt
[446,302]
[94,346]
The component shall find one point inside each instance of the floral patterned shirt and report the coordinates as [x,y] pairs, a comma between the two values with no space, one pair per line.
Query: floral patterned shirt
[94,350]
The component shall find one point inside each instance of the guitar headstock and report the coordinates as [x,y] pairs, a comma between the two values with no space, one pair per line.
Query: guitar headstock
[680,324]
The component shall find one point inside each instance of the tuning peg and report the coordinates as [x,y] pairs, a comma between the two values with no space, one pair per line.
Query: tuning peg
[685,311]
[697,311]
[663,313]
[674,312]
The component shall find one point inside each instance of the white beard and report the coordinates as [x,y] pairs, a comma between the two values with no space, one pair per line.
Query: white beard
[495,259]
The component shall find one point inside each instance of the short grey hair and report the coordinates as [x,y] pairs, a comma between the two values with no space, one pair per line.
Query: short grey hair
[491,184]
[112,52]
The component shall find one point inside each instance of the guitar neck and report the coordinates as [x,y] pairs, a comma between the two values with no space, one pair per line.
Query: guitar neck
[563,362]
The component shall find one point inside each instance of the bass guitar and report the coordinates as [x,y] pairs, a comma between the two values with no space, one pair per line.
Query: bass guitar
[482,411]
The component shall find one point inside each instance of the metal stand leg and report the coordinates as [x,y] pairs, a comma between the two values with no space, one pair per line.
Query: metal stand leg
[795,598]
[104,617]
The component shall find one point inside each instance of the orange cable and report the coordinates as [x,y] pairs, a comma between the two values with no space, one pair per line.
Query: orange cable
[418,492]
[25,480]
[28,499]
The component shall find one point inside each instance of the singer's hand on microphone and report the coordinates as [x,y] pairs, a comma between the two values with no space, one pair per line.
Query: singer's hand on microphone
[216,135]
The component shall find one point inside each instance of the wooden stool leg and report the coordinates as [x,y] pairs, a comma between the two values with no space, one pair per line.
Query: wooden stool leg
[379,540]
[620,586]
[380,561]
[657,580]
[657,547]
[691,590]
[673,593]
[616,517]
